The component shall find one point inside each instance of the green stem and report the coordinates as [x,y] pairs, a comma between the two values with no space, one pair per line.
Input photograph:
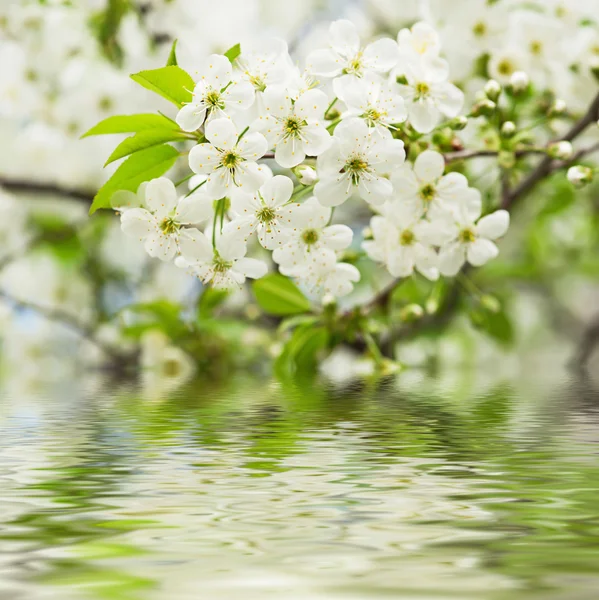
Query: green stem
[184,179]
[334,124]
[373,348]
[197,187]
[329,107]
[301,193]
[242,134]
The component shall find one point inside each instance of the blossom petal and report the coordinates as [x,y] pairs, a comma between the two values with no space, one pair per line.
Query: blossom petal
[316,139]
[194,209]
[429,166]
[252,146]
[449,98]
[401,263]
[405,183]
[324,62]
[375,190]
[289,152]
[196,247]
[277,191]
[423,115]
[161,246]
[381,55]
[191,116]
[222,133]
[239,96]
[204,158]
[494,226]
[333,191]
[337,237]
[230,245]
[481,251]
[161,196]
[250,267]
[250,176]
[344,37]
[451,259]
[217,71]
[138,223]
[311,104]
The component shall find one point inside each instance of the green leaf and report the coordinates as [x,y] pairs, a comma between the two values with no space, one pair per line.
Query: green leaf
[130,124]
[278,295]
[143,140]
[210,300]
[172,83]
[233,52]
[172,57]
[496,325]
[141,166]
[300,354]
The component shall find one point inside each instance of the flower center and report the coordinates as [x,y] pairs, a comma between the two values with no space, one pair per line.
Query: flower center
[467,236]
[266,215]
[427,192]
[293,127]
[354,66]
[214,100]
[479,29]
[230,160]
[372,116]
[505,67]
[422,89]
[219,264]
[536,47]
[356,166]
[407,237]
[168,226]
[310,236]
[257,82]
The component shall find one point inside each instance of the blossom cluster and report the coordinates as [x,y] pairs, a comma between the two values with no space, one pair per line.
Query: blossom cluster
[337,126]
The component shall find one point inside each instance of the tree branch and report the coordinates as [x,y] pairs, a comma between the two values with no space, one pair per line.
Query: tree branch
[21,185]
[588,342]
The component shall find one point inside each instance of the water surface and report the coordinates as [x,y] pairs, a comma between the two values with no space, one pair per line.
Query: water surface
[252,489]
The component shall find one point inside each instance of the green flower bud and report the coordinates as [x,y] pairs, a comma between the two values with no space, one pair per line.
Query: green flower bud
[508,129]
[484,108]
[458,123]
[506,159]
[561,150]
[490,303]
[492,90]
[411,312]
[580,176]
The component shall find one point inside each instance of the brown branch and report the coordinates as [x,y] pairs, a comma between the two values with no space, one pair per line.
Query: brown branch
[21,185]
[588,342]
[468,154]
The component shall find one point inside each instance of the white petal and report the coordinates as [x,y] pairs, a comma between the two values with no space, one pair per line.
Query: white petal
[401,263]
[494,226]
[452,186]
[222,133]
[277,101]
[161,196]
[481,251]
[250,267]
[138,223]
[333,190]
[217,72]
[311,104]
[203,158]
[381,55]
[252,146]
[231,245]
[194,209]
[451,259]
[324,62]
[191,116]
[161,246]
[289,153]
[316,139]
[429,166]
[405,184]
[375,190]
[277,191]
[423,116]
[337,237]
[195,247]
[344,37]
[450,99]
[250,176]
[239,96]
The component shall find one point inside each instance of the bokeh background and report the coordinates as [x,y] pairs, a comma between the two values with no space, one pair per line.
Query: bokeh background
[68,281]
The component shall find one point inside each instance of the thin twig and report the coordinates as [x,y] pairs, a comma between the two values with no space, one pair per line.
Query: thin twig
[21,185]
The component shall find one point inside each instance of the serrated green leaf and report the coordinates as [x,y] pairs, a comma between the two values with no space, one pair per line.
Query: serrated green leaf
[172,83]
[129,124]
[233,52]
[278,295]
[141,166]
[142,140]
[172,57]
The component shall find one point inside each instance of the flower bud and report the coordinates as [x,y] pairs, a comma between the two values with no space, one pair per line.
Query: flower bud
[519,82]
[580,176]
[367,234]
[411,312]
[492,90]
[306,175]
[490,303]
[558,108]
[401,79]
[483,108]
[458,123]
[562,150]
[508,129]
[506,159]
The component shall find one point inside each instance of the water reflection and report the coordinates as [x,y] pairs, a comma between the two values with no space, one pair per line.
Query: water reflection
[258,489]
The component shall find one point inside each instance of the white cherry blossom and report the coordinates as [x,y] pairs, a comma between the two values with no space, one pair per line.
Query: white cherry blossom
[357,161]
[294,128]
[229,162]
[267,212]
[471,239]
[161,226]
[215,94]
[403,241]
[224,266]
[347,56]
[263,63]
[372,99]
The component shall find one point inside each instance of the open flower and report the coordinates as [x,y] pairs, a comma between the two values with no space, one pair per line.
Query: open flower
[224,266]
[229,162]
[266,212]
[470,239]
[403,241]
[311,237]
[426,188]
[428,94]
[161,225]
[264,63]
[372,99]
[347,56]
[357,161]
[215,95]
[294,128]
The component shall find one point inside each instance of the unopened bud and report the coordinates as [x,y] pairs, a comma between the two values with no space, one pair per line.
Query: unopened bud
[333,114]
[306,175]
[580,176]
[562,150]
[401,79]
[558,108]
[458,123]
[490,303]
[519,82]
[506,159]
[484,108]
[492,90]
[508,129]
[411,312]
